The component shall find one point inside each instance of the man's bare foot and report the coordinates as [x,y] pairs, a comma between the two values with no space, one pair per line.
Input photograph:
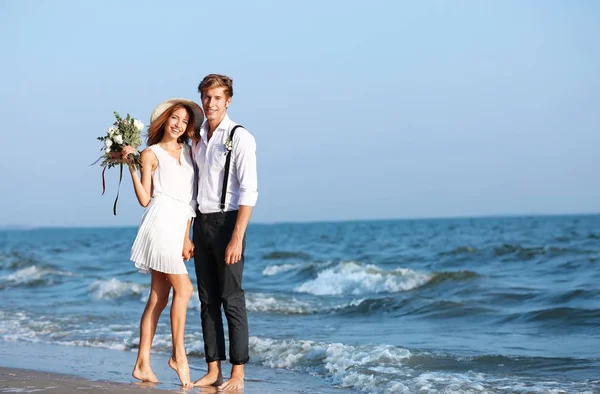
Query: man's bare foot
[183,371]
[235,383]
[210,379]
[145,385]
[144,374]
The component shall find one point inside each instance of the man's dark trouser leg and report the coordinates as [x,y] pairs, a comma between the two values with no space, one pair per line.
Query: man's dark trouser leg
[225,287]
[208,291]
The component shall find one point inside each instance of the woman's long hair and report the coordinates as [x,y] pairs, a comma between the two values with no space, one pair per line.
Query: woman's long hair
[156,130]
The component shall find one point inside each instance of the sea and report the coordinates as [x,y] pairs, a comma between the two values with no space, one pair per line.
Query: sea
[465,305]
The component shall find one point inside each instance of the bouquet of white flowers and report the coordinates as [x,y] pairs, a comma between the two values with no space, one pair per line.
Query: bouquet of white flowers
[124,132]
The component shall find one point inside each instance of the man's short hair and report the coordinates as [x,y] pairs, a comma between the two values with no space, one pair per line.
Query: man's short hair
[216,81]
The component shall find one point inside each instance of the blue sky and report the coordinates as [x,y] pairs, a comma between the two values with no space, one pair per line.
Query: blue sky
[378,109]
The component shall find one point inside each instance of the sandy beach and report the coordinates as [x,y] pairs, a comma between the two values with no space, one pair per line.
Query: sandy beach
[26,381]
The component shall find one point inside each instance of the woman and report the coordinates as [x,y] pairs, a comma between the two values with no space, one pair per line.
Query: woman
[165,188]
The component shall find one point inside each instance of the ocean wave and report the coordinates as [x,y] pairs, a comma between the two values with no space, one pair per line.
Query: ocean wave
[257,302]
[561,317]
[570,295]
[113,289]
[519,251]
[460,250]
[285,255]
[15,259]
[341,364]
[68,331]
[530,252]
[446,309]
[289,305]
[96,343]
[352,278]
[20,326]
[33,276]
[272,270]
[366,306]
[389,369]
[440,277]
[299,271]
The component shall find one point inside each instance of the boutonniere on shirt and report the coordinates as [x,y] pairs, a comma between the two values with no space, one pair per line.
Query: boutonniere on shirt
[229,144]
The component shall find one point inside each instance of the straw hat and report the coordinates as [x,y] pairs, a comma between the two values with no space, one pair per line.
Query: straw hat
[162,107]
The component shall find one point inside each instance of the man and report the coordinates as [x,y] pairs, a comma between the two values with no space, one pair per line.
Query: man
[226,194]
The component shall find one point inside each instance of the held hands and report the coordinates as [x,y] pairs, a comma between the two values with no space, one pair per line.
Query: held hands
[188,249]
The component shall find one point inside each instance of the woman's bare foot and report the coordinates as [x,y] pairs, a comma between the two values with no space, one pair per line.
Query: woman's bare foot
[183,371]
[210,379]
[144,374]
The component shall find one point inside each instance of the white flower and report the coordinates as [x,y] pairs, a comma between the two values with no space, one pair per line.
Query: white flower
[138,125]
[118,139]
[111,131]
[107,143]
[107,150]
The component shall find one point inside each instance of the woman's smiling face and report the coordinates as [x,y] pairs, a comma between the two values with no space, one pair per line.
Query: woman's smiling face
[177,123]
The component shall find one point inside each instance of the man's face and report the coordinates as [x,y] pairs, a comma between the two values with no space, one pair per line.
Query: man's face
[215,103]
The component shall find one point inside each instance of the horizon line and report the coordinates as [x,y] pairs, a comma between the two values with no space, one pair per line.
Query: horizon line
[452,217]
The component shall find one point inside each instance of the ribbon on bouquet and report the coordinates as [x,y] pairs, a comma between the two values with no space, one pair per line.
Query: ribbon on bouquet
[104,180]
[118,187]
[135,158]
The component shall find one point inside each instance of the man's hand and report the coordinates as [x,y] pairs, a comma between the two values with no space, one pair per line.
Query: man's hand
[188,249]
[233,253]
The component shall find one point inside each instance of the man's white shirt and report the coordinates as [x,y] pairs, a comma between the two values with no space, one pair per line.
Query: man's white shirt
[210,156]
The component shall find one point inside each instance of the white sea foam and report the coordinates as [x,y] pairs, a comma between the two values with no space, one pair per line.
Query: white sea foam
[15,327]
[258,302]
[359,279]
[28,389]
[92,343]
[343,365]
[383,369]
[278,269]
[113,288]
[33,274]
[20,326]
[434,382]
[283,304]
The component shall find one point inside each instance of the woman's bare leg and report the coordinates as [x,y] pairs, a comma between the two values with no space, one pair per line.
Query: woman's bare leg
[182,292]
[157,301]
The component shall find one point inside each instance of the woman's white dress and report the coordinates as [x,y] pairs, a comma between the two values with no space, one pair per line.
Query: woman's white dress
[159,242]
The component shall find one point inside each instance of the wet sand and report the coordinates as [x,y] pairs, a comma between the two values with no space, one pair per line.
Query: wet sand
[27,381]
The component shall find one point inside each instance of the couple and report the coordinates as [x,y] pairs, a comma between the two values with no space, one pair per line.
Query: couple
[213,184]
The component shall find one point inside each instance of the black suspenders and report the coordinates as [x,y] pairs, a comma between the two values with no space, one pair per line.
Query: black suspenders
[229,147]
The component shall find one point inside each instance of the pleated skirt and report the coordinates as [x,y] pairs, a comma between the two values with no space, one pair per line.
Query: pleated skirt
[159,241]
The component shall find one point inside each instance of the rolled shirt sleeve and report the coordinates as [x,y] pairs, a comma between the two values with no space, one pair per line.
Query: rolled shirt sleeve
[192,210]
[245,153]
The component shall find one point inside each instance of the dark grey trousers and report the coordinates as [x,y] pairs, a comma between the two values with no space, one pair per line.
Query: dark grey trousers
[220,285]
